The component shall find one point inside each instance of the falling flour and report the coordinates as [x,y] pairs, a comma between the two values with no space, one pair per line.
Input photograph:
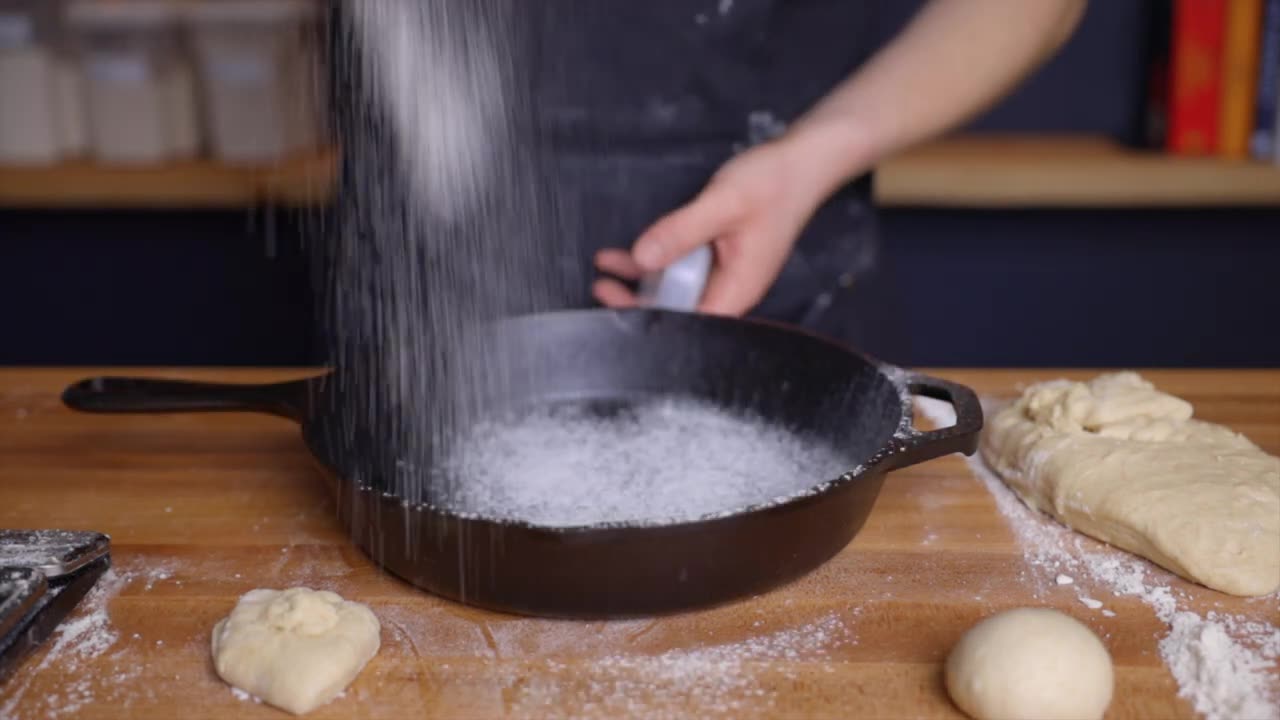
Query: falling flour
[1224,664]
[443,225]
[660,461]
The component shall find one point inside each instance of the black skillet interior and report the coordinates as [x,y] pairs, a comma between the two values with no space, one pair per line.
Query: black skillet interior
[806,383]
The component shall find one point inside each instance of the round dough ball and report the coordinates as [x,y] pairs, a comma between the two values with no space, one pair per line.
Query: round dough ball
[1030,664]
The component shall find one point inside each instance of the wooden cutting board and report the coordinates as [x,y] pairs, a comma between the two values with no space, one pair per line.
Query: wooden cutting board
[202,508]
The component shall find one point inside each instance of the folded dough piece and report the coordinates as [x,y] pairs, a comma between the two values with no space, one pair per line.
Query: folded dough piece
[295,649]
[1118,460]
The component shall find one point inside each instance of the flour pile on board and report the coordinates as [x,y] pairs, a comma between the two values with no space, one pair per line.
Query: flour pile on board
[1223,664]
[1221,676]
[664,460]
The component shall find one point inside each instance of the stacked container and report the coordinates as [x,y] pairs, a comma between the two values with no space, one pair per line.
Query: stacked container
[139,88]
[29,108]
[260,77]
[73,130]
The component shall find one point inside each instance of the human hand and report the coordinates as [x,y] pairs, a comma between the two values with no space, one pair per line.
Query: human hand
[751,211]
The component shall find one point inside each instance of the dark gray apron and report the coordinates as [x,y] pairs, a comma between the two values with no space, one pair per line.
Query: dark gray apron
[642,100]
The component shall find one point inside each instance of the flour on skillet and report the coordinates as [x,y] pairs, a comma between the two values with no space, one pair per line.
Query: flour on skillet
[656,462]
[1224,664]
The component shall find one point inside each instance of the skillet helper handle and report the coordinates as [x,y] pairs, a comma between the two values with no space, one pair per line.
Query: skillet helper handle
[146,395]
[918,446]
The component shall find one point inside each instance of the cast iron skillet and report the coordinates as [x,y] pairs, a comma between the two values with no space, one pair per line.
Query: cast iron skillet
[808,383]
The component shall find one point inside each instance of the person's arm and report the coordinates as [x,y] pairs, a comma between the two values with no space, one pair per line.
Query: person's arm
[955,59]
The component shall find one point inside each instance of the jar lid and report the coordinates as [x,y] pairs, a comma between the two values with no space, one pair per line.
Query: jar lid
[123,14]
[251,11]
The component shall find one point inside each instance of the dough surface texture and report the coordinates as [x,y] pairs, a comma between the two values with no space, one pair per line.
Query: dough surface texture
[295,649]
[1030,664]
[1116,459]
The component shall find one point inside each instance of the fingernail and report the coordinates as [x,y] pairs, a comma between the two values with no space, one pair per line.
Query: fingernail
[647,255]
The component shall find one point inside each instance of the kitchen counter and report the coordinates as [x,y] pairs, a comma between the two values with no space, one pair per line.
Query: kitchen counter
[202,508]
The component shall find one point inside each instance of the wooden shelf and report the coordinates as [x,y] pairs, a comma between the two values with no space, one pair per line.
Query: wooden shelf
[962,172]
[299,181]
[1068,172]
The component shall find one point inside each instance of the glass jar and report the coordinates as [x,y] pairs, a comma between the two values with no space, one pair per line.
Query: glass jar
[28,84]
[258,66]
[139,86]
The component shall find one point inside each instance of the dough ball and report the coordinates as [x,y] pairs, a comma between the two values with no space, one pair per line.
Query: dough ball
[1030,664]
[295,649]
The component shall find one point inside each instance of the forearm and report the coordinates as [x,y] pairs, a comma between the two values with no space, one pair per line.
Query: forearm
[955,59]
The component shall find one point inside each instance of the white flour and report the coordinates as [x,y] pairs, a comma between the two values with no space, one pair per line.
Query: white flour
[690,665]
[444,92]
[444,224]
[1222,677]
[243,696]
[662,461]
[34,548]
[83,637]
[713,680]
[1222,663]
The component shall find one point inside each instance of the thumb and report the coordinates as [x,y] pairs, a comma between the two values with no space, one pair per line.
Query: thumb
[684,230]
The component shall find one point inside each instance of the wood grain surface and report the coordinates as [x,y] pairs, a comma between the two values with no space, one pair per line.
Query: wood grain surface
[202,508]
[964,171]
[1034,171]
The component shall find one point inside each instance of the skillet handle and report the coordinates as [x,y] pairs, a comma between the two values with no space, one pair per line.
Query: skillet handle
[915,446]
[146,395]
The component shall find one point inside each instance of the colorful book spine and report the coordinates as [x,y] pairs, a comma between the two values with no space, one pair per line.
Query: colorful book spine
[1198,36]
[1239,77]
[1263,144]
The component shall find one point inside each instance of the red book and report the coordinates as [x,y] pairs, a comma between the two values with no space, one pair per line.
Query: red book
[1199,28]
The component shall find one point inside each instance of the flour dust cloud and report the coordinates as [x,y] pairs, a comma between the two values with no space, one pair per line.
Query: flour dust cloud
[441,226]
[445,223]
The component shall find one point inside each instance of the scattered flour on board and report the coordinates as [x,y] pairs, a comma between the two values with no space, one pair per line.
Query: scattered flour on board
[628,668]
[1222,663]
[243,696]
[86,635]
[716,680]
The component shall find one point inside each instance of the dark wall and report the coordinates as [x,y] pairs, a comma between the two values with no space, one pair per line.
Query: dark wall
[1096,288]
[1101,288]
[153,288]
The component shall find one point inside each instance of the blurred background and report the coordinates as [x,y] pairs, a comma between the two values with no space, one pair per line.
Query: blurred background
[164,163]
